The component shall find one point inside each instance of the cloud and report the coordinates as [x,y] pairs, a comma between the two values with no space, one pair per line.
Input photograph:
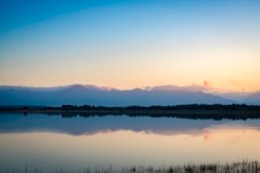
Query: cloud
[207,84]
[190,88]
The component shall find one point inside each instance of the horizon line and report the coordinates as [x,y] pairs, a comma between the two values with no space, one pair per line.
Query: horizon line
[197,87]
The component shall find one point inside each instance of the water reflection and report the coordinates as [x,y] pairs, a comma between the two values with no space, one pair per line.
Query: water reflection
[17,123]
[53,142]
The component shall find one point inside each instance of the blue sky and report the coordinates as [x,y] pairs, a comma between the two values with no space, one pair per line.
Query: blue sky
[128,44]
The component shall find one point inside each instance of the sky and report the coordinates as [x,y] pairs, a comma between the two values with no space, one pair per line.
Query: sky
[131,43]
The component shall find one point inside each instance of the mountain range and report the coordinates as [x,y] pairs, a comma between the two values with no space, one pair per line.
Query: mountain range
[94,95]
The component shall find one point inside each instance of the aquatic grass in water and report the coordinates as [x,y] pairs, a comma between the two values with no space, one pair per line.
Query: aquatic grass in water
[235,167]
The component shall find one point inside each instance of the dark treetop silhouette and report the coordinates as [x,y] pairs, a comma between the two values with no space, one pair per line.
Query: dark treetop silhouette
[195,111]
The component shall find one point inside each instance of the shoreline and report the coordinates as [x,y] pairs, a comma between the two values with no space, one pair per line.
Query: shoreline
[179,111]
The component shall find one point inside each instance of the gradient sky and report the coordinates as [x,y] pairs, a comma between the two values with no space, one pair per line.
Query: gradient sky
[127,44]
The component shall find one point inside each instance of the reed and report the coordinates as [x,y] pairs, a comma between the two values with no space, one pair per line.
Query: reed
[234,167]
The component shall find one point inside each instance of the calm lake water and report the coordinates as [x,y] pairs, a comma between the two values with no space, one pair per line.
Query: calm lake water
[53,142]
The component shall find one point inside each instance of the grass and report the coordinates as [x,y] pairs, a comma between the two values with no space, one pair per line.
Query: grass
[235,167]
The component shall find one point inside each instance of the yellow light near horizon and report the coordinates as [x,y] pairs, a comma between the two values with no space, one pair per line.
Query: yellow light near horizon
[225,68]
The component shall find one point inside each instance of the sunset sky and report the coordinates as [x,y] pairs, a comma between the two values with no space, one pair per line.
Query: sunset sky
[128,44]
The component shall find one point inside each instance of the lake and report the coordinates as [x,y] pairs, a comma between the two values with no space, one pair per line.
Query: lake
[52,143]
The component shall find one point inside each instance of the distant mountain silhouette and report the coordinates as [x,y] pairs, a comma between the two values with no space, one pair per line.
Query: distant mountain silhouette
[93,95]
[253,99]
